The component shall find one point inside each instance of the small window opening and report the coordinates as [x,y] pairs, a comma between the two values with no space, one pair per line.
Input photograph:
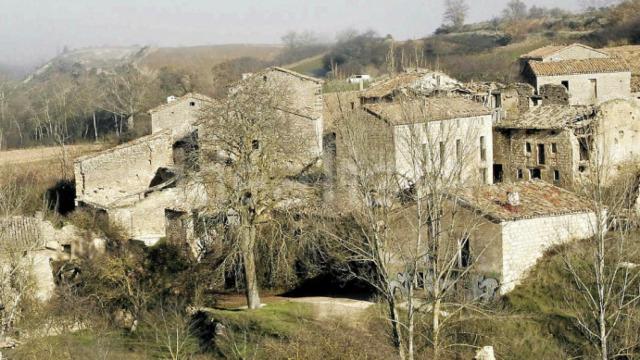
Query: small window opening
[66,248]
[353,105]
[520,174]
[192,103]
[541,155]
[554,148]
[565,83]
[464,253]
[527,148]
[584,148]
[534,173]
[582,168]
[264,78]
[556,175]
[255,144]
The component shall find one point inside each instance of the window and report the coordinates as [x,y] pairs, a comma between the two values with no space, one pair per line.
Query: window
[255,144]
[593,83]
[556,175]
[483,149]
[582,168]
[541,157]
[464,253]
[520,174]
[554,148]
[353,105]
[566,84]
[497,173]
[264,78]
[583,142]
[459,150]
[527,148]
[483,175]
[192,103]
[534,173]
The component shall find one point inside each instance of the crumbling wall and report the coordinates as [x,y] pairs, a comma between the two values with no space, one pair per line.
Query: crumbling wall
[516,99]
[121,171]
[553,94]
[618,132]
[609,86]
[510,152]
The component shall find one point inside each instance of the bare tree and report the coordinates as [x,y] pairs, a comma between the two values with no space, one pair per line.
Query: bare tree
[515,10]
[455,12]
[252,151]
[604,296]
[410,229]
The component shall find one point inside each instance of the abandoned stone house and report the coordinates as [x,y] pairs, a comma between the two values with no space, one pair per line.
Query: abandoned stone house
[421,82]
[557,143]
[394,134]
[590,76]
[517,223]
[178,114]
[134,183]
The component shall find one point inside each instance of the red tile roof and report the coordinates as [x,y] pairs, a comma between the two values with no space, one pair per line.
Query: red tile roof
[576,67]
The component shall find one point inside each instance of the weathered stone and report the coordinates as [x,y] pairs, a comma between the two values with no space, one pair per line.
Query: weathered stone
[486,353]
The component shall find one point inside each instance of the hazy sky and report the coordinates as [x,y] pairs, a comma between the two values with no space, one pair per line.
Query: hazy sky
[34,30]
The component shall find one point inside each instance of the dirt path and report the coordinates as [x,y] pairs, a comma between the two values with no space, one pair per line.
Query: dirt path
[31,155]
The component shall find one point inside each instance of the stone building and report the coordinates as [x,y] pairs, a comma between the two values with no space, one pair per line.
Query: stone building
[517,223]
[457,129]
[178,114]
[590,76]
[557,143]
[305,99]
[410,82]
[630,54]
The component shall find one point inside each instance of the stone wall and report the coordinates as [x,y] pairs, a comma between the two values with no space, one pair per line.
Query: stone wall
[554,95]
[448,132]
[618,132]
[178,116]
[525,241]
[609,86]
[127,169]
[516,99]
[510,152]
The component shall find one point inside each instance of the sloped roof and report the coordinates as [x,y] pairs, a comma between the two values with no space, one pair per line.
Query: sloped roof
[631,54]
[290,72]
[537,199]
[185,97]
[427,109]
[548,117]
[576,67]
[141,140]
[548,50]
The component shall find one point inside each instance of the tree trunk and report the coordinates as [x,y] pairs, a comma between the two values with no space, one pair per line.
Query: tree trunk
[247,245]
[395,327]
[95,126]
[436,328]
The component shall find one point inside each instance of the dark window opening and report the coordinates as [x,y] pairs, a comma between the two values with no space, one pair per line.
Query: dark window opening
[264,78]
[527,148]
[497,100]
[541,157]
[255,144]
[582,168]
[566,84]
[353,105]
[497,173]
[464,254]
[66,248]
[192,103]
[535,173]
[556,175]
[520,174]
[583,142]
[554,148]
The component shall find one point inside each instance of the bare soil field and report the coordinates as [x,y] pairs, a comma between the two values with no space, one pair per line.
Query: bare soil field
[40,154]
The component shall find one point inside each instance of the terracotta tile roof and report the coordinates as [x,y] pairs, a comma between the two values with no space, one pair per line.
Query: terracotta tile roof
[427,109]
[631,54]
[548,117]
[575,67]
[181,99]
[537,199]
[542,52]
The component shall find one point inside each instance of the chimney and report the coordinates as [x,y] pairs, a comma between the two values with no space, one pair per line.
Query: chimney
[171,99]
[513,198]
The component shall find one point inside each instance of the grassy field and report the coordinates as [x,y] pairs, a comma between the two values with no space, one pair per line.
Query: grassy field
[44,154]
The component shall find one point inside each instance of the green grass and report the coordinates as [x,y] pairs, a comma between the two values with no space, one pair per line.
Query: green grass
[313,66]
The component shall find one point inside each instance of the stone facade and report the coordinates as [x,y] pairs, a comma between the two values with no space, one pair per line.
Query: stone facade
[178,115]
[122,171]
[588,89]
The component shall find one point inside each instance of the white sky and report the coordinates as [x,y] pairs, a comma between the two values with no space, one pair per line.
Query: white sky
[35,30]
